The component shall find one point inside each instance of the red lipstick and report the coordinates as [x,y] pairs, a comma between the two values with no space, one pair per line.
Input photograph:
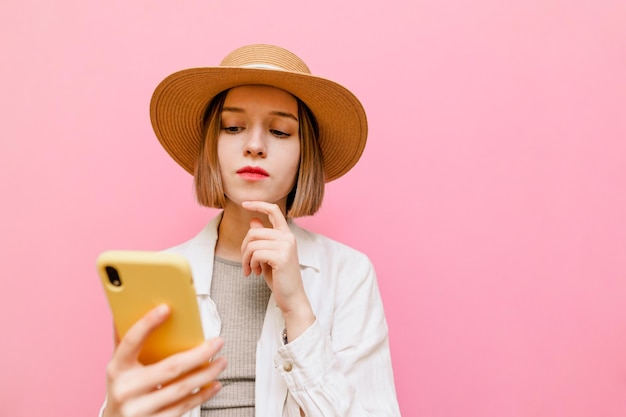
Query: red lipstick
[252,173]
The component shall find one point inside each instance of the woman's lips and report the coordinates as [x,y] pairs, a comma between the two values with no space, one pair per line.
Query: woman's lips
[252,173]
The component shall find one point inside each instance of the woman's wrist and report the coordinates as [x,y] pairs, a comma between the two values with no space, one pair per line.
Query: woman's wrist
[298,320]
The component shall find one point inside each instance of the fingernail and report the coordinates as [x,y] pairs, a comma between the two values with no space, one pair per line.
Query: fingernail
[162,309]
[216,343]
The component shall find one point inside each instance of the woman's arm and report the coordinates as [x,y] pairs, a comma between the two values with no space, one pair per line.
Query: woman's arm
[346,370]
[342,371]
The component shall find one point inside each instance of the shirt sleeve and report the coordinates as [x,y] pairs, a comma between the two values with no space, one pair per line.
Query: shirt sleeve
[345,371]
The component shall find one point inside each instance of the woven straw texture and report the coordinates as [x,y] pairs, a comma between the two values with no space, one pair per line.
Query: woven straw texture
[179,103]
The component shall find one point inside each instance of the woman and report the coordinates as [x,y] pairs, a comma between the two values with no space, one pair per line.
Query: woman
[299,315]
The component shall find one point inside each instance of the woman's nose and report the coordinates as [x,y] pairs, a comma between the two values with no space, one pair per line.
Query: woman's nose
[255,145]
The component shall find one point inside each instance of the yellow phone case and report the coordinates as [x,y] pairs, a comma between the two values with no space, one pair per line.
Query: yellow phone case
[141,280]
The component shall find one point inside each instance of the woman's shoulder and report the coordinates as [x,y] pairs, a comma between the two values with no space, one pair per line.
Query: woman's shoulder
[334,262]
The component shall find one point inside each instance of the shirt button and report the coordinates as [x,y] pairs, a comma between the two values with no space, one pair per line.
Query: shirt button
[287,367]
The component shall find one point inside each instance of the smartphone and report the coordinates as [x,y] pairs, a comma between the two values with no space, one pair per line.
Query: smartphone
[137,281]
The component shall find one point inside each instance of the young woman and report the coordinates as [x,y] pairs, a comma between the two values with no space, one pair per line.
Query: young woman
[297,316]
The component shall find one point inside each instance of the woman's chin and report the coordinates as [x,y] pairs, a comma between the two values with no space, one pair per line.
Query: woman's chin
[282,202]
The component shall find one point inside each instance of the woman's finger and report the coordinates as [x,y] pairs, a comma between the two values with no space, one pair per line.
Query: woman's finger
[256,233]
[259,252]
[142,380]
[173,367]
[180,391]
[273,212]
[136,388]
[130,345]
[191,401]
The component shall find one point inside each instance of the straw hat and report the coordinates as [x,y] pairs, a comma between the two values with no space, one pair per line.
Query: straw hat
[179,103]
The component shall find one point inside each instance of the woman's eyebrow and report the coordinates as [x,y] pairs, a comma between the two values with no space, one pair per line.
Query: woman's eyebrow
[284,114]
[273,113]
[234,109]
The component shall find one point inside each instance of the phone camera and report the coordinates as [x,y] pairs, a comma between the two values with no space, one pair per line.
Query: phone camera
[114,276]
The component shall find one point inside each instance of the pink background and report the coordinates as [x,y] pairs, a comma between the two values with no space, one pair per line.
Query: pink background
[491,196]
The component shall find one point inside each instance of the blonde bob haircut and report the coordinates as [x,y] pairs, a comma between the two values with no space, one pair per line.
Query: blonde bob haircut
[304,199]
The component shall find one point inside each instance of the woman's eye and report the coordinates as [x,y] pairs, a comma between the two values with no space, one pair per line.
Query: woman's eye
[279,134]
[232,129]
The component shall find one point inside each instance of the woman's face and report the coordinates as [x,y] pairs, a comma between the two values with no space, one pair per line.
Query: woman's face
[259,144]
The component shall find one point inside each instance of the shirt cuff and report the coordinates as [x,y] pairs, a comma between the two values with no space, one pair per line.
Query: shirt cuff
[305,359]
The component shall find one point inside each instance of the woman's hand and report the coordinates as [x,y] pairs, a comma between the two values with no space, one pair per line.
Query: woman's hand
[167,388]
[273,253]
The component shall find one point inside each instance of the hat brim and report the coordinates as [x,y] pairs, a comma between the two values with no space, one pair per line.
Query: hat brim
[179,103]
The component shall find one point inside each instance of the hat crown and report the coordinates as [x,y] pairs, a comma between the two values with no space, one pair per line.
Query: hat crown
[265,57]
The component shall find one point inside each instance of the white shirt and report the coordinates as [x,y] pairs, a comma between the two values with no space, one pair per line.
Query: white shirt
[341,365]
